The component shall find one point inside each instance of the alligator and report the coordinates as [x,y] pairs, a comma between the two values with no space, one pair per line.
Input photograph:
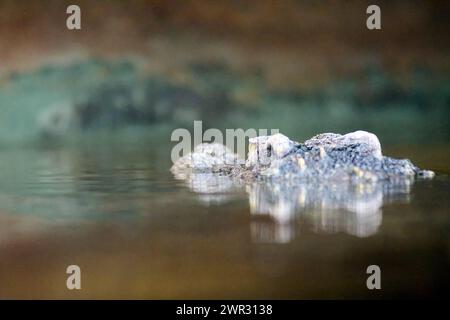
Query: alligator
[326,174]
[354,156]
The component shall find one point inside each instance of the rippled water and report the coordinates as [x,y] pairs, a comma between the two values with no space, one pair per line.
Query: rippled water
[136,231]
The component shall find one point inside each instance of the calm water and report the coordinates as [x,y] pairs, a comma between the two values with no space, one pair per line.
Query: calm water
[138,232]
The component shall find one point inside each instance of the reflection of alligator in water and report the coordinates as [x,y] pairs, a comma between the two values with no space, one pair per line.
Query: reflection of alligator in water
[352,208]
[342,180]
[212,188]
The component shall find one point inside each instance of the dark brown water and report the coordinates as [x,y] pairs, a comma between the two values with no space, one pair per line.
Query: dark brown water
[137,232]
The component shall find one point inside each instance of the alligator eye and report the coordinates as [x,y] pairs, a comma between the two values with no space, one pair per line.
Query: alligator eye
[269,151]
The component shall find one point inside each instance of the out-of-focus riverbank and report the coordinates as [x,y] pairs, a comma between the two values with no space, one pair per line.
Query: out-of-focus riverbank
[62,103]
[301,67]
[299,43]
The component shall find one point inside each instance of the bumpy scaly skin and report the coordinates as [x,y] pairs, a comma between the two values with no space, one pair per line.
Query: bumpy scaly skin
[354,156]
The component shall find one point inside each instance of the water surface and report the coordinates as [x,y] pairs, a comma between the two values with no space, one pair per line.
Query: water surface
[137,231]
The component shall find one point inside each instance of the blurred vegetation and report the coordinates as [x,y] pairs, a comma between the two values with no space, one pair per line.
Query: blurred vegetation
[64,102]
[150,65]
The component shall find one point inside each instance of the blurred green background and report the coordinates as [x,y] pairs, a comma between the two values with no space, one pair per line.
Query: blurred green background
[303,67]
